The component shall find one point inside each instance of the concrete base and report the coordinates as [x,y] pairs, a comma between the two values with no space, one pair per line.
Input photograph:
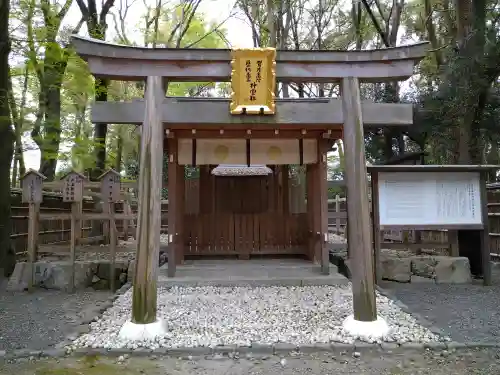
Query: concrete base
[368,330]
[139,332]
[253,273]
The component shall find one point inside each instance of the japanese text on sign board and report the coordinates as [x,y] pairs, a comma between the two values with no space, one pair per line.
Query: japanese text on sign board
[253,80]
[248,77]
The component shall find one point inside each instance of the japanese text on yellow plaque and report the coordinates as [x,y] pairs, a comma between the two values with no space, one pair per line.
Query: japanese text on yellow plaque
[253,81]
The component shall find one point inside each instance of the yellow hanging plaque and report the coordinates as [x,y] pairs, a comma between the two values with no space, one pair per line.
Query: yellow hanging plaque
[253,81]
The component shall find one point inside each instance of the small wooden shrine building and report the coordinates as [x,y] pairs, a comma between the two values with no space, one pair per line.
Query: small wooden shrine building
[244,147]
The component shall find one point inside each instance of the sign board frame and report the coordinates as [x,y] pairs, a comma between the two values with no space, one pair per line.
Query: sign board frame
[449,200]
[484,246]
[253,81]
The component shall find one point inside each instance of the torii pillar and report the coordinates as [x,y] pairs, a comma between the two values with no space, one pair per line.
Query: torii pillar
[144,323]
[364,321]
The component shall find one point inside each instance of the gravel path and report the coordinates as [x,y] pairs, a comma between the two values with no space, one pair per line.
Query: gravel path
[43,318]
[465,312]
[210,316]
[470,362]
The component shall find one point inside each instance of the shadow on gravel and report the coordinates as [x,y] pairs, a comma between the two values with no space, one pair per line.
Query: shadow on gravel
[466,312]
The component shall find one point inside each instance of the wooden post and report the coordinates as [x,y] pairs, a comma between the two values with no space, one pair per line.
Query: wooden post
[310,210]
[110,193]
[126,211]
[73,192]
[73,242]
[337,210]
[418,240]
[453,241]
[323,206]
[180,208]
[359,236]
[105,223]
[485,234]
[316,212]
[112,246]
[32,237]
[376,228]
[144,296]
[173,184]
[32,183]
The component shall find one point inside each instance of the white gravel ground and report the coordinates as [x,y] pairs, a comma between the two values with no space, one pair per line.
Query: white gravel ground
[210,316]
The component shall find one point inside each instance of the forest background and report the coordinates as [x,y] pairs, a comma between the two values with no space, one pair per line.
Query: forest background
[46,90]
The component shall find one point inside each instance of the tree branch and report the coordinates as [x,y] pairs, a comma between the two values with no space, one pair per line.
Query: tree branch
[83,9]
[64,10]
[214,30]
[105,10]
[376,24]
[187,24]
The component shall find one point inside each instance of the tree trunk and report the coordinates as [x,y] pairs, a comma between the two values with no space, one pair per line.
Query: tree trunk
[49,107]
[96,25]
[119,152]
[388,33]
[468,82]
[52,94]
[7,254]
[101,130]
[18,118]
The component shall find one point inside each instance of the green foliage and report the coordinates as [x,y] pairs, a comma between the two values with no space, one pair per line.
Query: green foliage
[39,45]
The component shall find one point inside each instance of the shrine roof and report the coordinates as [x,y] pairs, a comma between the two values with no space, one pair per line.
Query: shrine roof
[233,170]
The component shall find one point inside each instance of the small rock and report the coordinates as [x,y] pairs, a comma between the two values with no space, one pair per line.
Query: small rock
[356,354]
[283,362]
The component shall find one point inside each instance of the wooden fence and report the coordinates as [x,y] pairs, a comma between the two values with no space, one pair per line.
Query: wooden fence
[50,231]
[58,231]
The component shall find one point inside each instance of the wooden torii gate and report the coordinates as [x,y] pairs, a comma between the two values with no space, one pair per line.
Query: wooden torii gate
[325,118]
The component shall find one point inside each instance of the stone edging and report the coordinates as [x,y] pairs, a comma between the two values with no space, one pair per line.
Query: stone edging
[232,351]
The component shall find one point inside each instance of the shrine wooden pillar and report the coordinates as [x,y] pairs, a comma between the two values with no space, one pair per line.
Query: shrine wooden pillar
[358,220]
[316,213]
[173,205]
[144,297]
[322,192]
[317,208]
[180,194]
[310,210]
